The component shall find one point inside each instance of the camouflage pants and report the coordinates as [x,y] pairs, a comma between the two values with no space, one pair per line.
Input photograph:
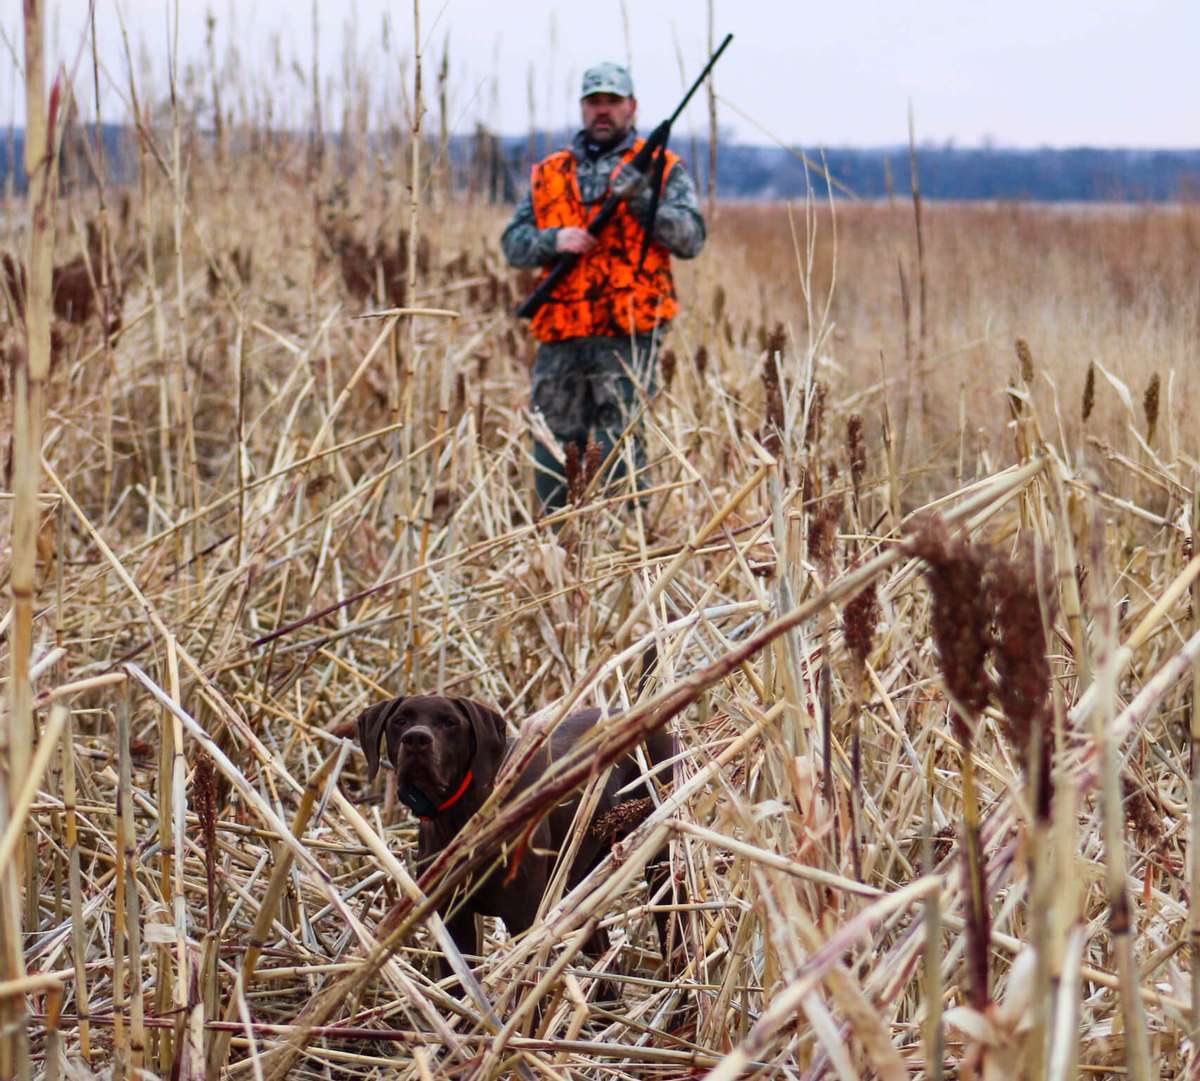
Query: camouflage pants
[582,387]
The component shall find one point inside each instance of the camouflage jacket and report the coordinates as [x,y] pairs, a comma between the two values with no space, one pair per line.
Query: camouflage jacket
[678,224]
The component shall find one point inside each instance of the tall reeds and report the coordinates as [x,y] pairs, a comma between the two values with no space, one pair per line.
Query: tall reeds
[208,862]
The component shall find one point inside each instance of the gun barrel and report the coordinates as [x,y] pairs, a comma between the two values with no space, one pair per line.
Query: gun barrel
[700,78]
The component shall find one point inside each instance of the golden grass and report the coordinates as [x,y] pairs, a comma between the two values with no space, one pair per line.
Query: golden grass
[244,542]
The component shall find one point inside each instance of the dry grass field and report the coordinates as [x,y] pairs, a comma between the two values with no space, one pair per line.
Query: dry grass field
[923,598]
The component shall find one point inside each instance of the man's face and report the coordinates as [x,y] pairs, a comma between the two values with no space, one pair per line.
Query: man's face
[607,117]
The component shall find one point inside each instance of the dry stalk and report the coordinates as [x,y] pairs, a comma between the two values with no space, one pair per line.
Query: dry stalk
[30,370]
[1194,794]
[1121,916]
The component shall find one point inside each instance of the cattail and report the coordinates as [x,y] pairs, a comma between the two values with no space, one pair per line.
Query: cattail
[1139,808]
[668,367]
[1089,392]
[355,261]
[962,634]
[1020,642]
[718,303]
[622,818]
[860,617]
[962,618]
[774,421]
[816,409]
[204,796]
[74,297]
[1019,653]
[808,488]
[1025,359]
[593,458]
[1150,407]
[857,450]
[776,340]
[859,621]
[574,475]
[822,529]
[702,359]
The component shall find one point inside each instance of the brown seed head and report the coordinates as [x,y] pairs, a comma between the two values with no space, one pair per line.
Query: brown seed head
[776,340]
[859,620]
[1089,392]
[204,797]
[593,456]
[668,367]
[822,531]
[622,818]
[774,420]
[1019,651]
[857,450]
[816,411]
[961,620]
[1139,808]
[809,483]
[1025,359]
[1150,407]
[574,474]
[702,359]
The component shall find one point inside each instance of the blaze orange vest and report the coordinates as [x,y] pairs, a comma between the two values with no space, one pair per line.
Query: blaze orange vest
[603,295]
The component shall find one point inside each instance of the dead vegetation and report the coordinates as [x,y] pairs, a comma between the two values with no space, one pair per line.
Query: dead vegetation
[933,685]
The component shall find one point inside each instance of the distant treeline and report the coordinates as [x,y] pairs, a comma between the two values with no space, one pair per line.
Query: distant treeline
[497,167]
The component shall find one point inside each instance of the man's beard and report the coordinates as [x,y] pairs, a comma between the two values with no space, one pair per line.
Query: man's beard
[607,140]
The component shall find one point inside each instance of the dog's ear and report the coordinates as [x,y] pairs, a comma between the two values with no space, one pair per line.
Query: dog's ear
[371,725]
[491,735]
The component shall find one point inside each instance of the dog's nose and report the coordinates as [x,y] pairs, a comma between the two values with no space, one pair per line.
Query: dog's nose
[417,739]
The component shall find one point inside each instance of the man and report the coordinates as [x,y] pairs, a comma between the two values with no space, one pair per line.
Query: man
[603,322]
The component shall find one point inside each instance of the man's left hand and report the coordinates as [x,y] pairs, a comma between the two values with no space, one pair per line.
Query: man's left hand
[628,182]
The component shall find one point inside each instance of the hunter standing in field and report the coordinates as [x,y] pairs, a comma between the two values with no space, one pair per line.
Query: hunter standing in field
[604,321]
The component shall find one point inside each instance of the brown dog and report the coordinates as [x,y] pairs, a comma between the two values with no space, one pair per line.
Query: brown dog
[447,752]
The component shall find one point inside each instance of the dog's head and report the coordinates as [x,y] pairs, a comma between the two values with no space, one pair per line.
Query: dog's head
[434,744]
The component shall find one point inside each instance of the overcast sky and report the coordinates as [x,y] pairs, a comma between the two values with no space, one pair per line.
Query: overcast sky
[1016,72]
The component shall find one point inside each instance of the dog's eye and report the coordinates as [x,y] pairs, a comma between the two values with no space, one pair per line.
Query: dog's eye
[445,722]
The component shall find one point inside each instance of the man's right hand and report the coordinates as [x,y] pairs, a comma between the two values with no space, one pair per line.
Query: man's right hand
[575,241]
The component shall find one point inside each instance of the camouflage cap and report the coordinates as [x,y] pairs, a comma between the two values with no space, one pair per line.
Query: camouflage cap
[607,78]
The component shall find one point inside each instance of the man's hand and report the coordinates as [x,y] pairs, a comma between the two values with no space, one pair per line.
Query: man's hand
[575,241]
[628,182]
